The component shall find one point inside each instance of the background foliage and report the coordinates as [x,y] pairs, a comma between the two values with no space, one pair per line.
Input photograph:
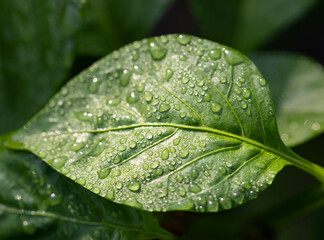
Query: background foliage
[43,44]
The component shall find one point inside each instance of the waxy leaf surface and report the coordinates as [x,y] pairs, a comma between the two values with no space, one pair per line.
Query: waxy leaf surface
[168,123]
[36,202]
[297,87]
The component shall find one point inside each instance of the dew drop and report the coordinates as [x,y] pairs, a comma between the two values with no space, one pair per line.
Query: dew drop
[157,52]
[200,83]
[134,186]
[183,90]
[183,39]
[113,101]
[184,80]
[140,87]
[165,154]
[132,144]
[216,107]
[215,54]
[110,195]
[182,191]
[194,188]
[184,153]
[246,93]
[162,193]
[99,148]
[78,146]
[102,174]
[93,85]
[149,135]
[164,107]
[81,181]
[132,98]
[263,82]
[148,96]
[233,58]
[117,159]
[59,162]
[176,141]
[125,78]
[168,74]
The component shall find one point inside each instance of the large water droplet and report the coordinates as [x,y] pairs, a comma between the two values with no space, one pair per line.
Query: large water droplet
[148,96]
[165,154]
[78,146]
[132,98]
[233,58]
[215,54]
[110,194]
[182,191]
[246,93]
[93,85]
[164,107]
[102,174]
[157,52]
[183,39]
[134,186]
[194,188]
[168,74]
[184,153]
[59,162]
[216,107]
[125,77]
[99,148]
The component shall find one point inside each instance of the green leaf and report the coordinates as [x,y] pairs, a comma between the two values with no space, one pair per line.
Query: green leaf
[297,87]
[168,123]
[249,24]
[36,53]
[36,200]
[110,24]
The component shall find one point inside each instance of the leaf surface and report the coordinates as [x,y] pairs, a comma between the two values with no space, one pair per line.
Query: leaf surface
[36,52]
[248,24]
[38,202]
[168,123]
[297,87]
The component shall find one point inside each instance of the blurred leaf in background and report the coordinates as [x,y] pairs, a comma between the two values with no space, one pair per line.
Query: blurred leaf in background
[37,202]
[247,24]
[36,44]
[110,24]
[297,87]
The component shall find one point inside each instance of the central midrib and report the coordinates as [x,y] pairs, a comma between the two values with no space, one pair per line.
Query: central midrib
[289,158]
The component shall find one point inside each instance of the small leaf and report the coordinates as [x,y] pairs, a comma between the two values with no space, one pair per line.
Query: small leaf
[297,87]
[35,200]
[204,140]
